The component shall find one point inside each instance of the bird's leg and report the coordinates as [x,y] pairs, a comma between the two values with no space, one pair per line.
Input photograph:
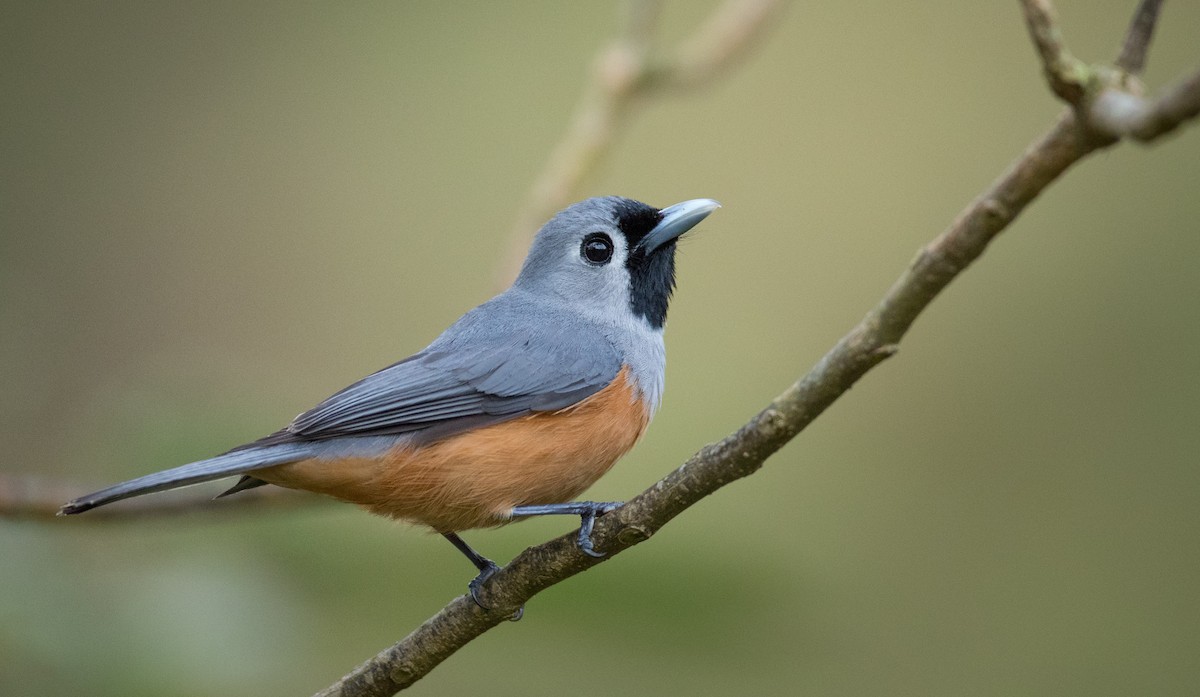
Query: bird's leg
[487,568]
[587,512]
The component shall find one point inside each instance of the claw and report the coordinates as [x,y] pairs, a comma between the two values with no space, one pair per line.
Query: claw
[587,522]
[487,569]
[587,511]
[477,583]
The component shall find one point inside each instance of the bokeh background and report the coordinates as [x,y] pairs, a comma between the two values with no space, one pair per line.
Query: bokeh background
[214,214]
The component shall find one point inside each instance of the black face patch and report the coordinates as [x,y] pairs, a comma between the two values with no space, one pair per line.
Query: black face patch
[651,276]
[651,280]
[635,219]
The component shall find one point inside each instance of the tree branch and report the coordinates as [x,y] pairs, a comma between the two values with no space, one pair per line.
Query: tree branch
[874,339]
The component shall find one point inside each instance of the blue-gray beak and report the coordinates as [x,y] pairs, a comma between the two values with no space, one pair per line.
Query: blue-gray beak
[677,220]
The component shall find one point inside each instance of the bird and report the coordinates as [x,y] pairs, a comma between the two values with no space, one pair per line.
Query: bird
[513,411]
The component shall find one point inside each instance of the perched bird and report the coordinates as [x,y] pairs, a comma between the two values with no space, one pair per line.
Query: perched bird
[515,410]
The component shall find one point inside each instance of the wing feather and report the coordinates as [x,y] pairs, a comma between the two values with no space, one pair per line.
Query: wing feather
[492,365]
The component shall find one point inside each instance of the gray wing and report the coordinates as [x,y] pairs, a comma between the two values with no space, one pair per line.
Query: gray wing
[501,360]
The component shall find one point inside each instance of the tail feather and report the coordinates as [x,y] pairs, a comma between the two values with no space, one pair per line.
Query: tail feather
[231,463]
[246,482]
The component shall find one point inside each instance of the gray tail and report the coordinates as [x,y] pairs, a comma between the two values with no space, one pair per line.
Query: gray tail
[235,462]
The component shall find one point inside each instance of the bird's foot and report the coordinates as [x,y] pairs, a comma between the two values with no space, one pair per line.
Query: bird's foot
[587,511]
[477,583]
[487,569]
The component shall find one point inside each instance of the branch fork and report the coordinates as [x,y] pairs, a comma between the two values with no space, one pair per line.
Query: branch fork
[1109,100]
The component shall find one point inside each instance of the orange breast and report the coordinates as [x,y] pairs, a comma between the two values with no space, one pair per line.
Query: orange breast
[473,479]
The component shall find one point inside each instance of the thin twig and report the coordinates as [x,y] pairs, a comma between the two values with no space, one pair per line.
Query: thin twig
[1067,75]
[1174,107]
[718,44]
[625,70]
[1119,113]
[1137,40]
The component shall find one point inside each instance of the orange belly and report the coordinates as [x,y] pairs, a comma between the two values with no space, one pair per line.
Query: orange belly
[474,479]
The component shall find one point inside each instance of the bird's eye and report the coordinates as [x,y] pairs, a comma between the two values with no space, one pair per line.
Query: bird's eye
[597,248]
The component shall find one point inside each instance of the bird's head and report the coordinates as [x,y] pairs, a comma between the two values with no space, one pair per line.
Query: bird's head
[611,255]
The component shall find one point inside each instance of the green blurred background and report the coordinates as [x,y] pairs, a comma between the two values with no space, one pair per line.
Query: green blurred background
[214,214]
